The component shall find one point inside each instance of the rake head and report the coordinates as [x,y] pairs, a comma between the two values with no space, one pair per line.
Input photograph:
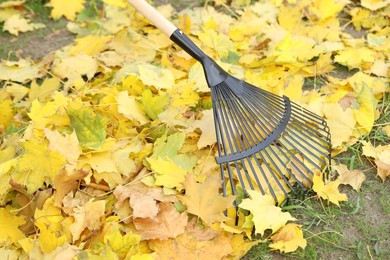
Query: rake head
[265,141]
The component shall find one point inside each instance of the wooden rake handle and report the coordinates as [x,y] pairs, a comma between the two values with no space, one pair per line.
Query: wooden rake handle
[153,16]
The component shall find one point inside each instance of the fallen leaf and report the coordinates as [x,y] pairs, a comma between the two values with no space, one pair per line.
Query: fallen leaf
[90,127]
[168,223]
[383,169]
[265,214]
[16,24]
[328,191]
[9,224]
[354,178]
[67,9]
[87,217]
[288,239]
[38,165]
[204,200]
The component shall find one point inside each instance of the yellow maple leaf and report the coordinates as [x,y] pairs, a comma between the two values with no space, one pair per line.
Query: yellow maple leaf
[341,123]
[158,77]
[127,106]
[325,9]
[206,124]
[374,4]
[87,216]
[365,108]
[353,57]
[188,247]
[67,145]
[291,49]
[38,165]
[67,8]
[218,42]
[19,71]
[48,240]
[167,173]
[118,3]
[265,214]
[383,169]
[7,113]
[9,226]
[204,200]
[73,67]
[42,114]
[329,190]
[91,45]
[16,24]
[288,238]
[121,244]
[45,90]
[354,178]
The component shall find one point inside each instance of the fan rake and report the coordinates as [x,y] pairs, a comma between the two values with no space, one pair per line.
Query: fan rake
[265,141]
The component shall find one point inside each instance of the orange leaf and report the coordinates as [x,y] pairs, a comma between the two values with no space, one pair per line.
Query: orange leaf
[169,223]
[204,200]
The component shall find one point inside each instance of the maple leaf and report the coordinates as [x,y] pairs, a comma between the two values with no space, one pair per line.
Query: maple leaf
[75,66]
[7,113]
[127,105]
[87,216]
[67,8]
[91,45]
[204,200]
[206,124]
[169,223]
[329,190]
[288,238]
[90,127]
[167,173]
[381,154]
[19,71]
[9,224]
[37,165]
[16,24]
[383,169]
[354,178]
[186,247]
[155,76]
[341,123]
[265,214]
[43,91]
[154,105]
[353,57]
[143,199]
[121,244]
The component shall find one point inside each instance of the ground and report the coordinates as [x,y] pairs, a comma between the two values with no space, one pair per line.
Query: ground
[358,229]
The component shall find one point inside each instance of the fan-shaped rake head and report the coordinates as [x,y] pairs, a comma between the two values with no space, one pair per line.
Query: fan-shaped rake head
[266,142]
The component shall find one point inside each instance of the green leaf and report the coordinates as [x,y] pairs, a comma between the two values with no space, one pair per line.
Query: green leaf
[154,105]
[90,128]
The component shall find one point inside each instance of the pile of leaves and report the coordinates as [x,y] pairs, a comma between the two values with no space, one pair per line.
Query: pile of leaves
[107,148]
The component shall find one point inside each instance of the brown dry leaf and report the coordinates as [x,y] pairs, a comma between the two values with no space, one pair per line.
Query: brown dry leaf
[143,199]
[200,232]
[168,223]
[65,182]
[204,200]
[187,247]
[354,178]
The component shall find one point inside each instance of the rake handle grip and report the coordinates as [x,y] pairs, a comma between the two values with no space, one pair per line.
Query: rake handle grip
[153,16]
